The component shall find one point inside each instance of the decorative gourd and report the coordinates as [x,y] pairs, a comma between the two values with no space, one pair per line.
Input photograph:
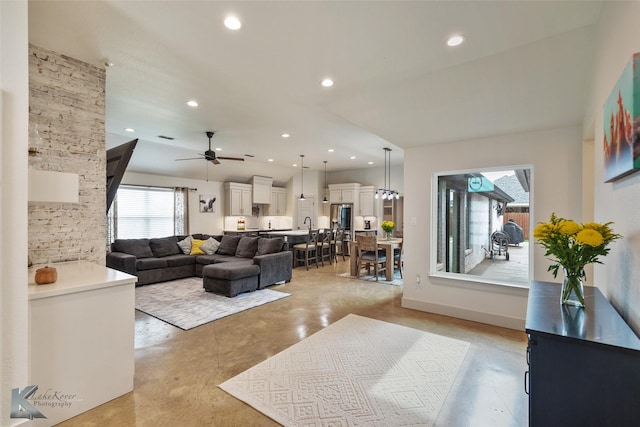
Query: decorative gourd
[46,275]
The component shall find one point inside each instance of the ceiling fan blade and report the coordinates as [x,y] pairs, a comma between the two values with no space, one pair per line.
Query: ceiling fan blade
[190,158]
[230,158]
[215,161]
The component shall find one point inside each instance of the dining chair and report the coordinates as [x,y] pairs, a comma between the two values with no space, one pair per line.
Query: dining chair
[323,249]
[398,258]
[369,253]
[307,251]
[338,244]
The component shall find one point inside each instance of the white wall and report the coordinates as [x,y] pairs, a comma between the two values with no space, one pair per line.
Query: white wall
[372,176]
[617,38]
[14,136]
[555,156]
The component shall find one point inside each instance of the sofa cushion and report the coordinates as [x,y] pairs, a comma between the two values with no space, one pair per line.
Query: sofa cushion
[164,246]
[137,247]
[150,263]
[210,246]
[195,247]
[228,245]
[185,245]
[247,247]
[269,246]
[179,260]
[226,258]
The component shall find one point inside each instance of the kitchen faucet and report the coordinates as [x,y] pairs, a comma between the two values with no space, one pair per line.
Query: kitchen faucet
[305,221]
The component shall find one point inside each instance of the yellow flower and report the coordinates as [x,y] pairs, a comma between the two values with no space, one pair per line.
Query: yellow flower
[542,230]
[589,237]
[569,228]
[388,226]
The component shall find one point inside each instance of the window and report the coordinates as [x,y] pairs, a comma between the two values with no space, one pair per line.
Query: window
[146,212]
[470,211]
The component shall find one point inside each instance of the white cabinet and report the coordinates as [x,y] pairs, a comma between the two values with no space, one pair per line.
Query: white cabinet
[367,201]
[262,190]
[278,206]
[81,333]
[343,193]
[238,198]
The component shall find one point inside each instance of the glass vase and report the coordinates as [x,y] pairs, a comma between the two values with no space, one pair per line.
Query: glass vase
[389,235]
[572,292]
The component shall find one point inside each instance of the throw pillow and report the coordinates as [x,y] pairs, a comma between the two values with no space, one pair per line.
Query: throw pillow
[185,245]
[269,246]
[195,247]
[247,247]
[228,245]
[210,246]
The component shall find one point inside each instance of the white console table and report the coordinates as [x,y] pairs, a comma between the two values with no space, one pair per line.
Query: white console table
[81,339]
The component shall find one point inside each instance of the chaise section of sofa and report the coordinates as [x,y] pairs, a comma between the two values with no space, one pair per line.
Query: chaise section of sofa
[162,259]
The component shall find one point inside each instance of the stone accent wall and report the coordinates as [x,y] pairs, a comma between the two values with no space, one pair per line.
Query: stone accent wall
[67,104]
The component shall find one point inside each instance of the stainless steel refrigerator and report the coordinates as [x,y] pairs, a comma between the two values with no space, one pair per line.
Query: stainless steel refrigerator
[342,216]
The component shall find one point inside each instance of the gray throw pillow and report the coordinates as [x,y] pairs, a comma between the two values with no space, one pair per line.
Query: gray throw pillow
[210,246]
[185,245]
[247,247]
[137,247]
[269,246]
[228,245]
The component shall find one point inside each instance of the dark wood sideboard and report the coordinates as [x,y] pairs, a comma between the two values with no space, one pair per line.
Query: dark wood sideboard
[583,364]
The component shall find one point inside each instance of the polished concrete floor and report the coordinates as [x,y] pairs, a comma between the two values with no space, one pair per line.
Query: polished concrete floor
[177,372]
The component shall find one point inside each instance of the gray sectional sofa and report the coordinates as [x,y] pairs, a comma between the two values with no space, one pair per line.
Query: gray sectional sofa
[163,259]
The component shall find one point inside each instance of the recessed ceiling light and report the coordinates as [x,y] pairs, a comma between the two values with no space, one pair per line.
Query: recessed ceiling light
[331,150]
[232,23]
[370,163]
[295,165]
[192,103]
[130,129]
[352,157]
[327,82]
[455,40]
[285,135]
[218,149]
[271,160]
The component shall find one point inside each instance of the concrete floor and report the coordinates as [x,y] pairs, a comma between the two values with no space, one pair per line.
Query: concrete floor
[177,372]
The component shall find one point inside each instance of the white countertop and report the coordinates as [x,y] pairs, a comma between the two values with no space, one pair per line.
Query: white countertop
[289,233]
[77,276]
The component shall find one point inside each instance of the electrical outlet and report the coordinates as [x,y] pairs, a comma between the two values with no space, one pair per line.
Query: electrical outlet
[418,280]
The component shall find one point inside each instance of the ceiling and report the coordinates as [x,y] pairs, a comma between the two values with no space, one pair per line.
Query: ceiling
[523,66]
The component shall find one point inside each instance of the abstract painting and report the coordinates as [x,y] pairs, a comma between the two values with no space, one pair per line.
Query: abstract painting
[621,144]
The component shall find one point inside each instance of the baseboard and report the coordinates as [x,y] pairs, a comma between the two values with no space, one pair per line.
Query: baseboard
[465,313]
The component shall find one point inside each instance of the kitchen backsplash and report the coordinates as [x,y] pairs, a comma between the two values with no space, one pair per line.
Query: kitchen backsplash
[259,222]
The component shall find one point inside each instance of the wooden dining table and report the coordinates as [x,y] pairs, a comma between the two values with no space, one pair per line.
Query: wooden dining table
[383,243]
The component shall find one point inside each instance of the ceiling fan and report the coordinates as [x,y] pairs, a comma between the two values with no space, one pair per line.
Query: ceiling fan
[210,155]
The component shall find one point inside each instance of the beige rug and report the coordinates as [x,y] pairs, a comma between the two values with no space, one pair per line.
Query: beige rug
[356,372]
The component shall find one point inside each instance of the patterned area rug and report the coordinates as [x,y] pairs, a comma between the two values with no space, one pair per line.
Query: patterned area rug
[356,372]
[184,303]
[397,280]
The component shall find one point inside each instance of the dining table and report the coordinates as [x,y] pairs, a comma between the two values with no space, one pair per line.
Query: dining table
[383,243]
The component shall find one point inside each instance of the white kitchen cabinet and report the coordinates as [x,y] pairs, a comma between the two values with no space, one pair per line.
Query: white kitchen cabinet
[343,193]
[278,206]
[262,190]
[238,199]
[367,201]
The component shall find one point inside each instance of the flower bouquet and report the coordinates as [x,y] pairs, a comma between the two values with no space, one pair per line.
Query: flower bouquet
[388,227]
[572,246]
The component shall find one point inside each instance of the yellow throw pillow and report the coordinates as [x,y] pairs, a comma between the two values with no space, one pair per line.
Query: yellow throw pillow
[195,247]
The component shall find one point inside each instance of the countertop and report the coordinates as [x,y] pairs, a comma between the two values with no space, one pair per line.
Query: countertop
[254,230]
[288,232]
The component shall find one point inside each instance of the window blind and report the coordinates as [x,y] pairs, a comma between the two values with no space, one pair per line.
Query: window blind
[144,212]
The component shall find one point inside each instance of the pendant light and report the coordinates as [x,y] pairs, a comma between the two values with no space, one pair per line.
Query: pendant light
[301,176]
[387,193]
[324,200]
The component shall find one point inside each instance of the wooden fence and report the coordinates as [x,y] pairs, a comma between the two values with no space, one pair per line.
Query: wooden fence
[522,219]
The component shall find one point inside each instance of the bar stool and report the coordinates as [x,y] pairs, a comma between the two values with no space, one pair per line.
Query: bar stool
[308,250]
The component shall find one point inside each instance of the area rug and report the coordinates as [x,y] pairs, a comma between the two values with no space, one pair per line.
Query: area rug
[356,372]
[184,303]
[397,280]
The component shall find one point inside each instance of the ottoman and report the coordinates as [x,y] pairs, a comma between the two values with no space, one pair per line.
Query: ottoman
[230,278]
